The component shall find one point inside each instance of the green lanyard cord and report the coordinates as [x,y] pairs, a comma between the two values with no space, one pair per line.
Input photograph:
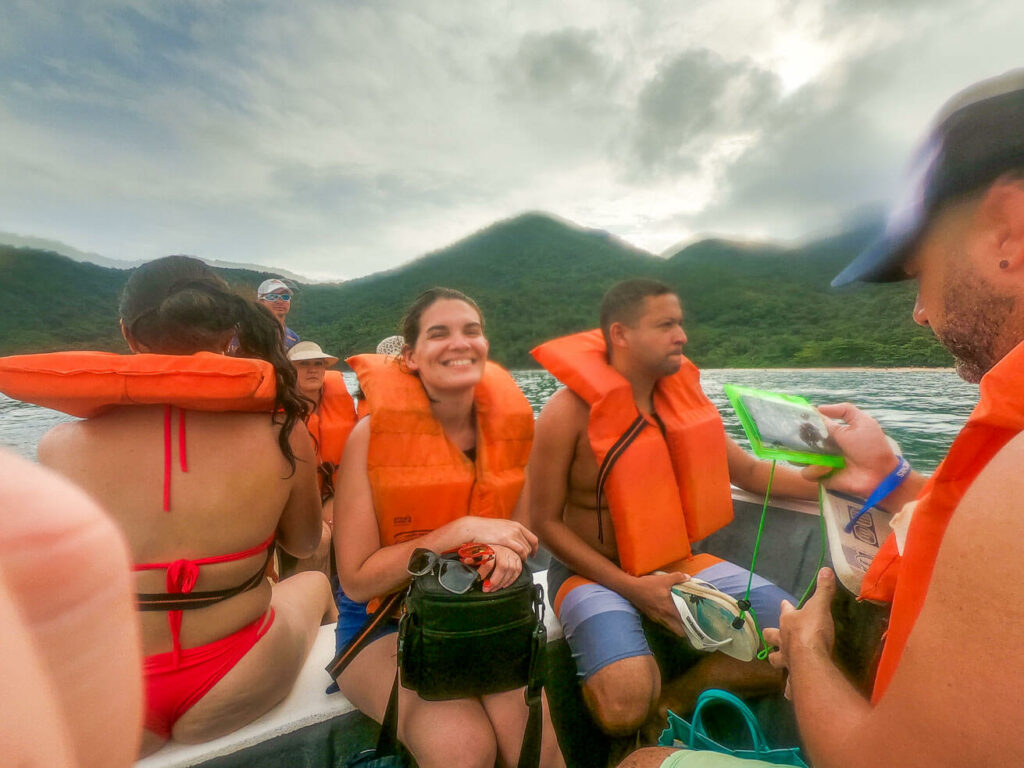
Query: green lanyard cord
[744,604]
[821,554]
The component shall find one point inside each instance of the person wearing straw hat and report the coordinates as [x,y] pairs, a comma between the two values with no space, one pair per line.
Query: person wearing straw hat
[331,418]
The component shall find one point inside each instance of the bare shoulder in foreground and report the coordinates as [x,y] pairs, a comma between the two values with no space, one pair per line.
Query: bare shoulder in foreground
[958,693]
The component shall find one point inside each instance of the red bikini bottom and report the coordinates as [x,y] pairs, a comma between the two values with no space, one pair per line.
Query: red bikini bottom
[174,688]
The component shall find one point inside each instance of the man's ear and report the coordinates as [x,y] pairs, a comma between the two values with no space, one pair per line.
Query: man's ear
[1002,211]
[617,334]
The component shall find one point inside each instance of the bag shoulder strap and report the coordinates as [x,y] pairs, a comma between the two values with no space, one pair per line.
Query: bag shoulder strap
[344,657]
[387,741]
[529,753]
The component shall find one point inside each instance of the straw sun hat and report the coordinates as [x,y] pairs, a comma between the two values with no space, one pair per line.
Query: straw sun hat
[310,350]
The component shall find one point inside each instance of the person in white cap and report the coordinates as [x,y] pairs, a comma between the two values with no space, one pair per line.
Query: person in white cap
[276,296]
[330,420]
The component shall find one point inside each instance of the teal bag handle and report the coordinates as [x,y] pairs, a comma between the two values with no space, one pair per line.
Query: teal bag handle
[694,736]
[712,695]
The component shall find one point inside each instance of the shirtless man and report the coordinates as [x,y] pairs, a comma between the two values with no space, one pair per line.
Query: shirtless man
[642,325]
[950,685]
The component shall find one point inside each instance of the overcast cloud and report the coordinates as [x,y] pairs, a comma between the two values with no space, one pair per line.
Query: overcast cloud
[337,139]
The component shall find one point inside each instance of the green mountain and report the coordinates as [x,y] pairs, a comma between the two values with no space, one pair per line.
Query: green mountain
[535,277]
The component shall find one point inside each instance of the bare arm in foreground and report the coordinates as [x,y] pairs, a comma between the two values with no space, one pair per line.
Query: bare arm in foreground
[957,696]
[64,569]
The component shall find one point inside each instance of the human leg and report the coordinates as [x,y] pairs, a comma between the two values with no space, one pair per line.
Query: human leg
[264,675]
[669,757]
[437,733]
[508,714]
[716,670]
[619,676]
[744,678]
[652,757]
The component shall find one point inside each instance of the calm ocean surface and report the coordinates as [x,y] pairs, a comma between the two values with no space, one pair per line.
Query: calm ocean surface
[921,410]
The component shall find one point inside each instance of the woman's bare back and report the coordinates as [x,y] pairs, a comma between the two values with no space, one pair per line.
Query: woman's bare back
[237,489]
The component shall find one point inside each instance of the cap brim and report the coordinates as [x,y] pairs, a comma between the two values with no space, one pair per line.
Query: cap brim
[881,262]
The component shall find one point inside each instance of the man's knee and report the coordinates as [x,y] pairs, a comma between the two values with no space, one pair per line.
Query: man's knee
[620,696]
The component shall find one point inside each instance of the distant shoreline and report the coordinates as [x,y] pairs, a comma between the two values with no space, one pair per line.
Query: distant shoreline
[855,368]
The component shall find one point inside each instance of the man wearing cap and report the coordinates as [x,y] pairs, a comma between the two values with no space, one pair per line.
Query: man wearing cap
[276,296]
[331,418]
[950,683]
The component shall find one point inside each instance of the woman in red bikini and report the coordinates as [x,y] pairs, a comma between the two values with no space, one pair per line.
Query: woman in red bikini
[201,505]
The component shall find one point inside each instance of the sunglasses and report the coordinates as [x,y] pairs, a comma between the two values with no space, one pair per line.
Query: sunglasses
[453,575]
[475,554]
[276,297]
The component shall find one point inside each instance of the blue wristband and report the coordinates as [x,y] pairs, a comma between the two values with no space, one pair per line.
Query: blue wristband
[887,486]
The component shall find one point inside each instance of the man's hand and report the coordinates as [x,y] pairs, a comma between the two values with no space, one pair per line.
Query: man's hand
[652,595]
[808,630]
[869,457]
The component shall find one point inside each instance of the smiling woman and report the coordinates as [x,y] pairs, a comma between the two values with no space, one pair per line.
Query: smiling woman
[439,463]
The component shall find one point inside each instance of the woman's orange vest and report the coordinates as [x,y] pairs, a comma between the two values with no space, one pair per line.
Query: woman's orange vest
[420,479]
[997,418]
[664,490]
[87,384]
[333,419]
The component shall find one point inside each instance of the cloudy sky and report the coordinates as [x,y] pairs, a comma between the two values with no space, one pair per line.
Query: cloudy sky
[335,139]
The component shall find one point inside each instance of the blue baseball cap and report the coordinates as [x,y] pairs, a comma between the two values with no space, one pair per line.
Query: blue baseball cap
[977,137]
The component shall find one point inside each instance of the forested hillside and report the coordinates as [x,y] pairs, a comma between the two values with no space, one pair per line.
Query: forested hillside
[535,277]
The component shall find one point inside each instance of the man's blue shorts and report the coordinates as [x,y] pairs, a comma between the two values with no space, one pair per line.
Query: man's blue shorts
[602,627]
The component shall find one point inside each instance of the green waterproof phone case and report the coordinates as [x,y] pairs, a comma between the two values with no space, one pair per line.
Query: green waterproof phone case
[784,427]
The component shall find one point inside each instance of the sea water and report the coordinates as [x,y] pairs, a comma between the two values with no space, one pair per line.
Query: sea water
[921,409]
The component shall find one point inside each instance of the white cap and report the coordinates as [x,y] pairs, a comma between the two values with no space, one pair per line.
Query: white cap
[273,285]
[309,350]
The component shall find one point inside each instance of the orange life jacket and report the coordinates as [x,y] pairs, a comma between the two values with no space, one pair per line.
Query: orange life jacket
[420,479]
[663,491]
[904,581]
[86,384]
[333,419]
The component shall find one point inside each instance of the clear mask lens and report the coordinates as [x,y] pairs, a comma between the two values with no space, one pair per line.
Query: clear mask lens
[421,561]
[456,577]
